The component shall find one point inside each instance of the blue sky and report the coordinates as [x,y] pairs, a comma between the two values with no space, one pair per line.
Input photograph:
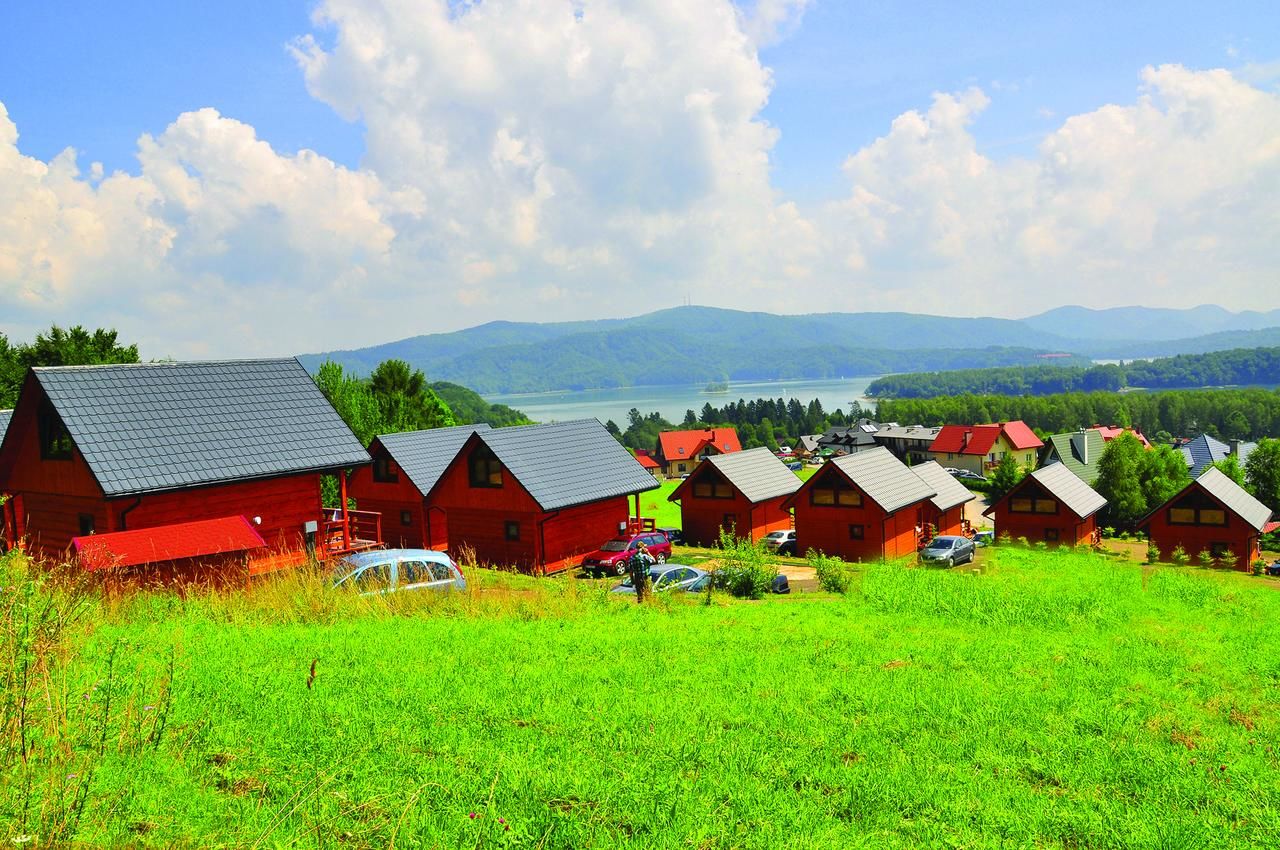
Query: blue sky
[852,155]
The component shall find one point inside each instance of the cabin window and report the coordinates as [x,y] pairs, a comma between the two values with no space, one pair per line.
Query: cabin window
[1197,516]
[709,487]
[86,525]
[729,522]
[55,440]
[1050,534]
[1028,505]
[384,470]
[406,518]
[511,530]
[857,532]
[486,471]
[1217,550]
[835,492]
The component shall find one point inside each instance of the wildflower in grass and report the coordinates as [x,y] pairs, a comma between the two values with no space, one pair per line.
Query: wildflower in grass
[148,708]
[472,815]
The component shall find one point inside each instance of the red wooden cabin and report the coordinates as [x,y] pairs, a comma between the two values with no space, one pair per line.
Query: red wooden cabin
[1213,514]
[1051,505]
[539,497]
[405,469]
[97,450]
[741,492]
[680,451]
[863,507]
[944,513]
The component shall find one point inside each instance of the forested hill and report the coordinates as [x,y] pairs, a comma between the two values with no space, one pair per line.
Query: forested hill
[1237,367]
[695,345]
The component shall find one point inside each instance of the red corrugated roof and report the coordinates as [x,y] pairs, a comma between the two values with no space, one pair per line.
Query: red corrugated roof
[1110,432]
[675,445]
[198,539]
[1021,435]
[978,439]
[646,461]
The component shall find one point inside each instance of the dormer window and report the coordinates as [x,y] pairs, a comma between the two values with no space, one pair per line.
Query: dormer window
[485,469]
[680,450]
[385,471]
[55,439]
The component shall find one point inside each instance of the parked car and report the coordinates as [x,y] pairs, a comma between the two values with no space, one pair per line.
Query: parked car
[662,578]
[613,555]
[390,570]
[949,550]
[796,466]
[775,540]
[780,584]
[1273,569]
[966,475]
[984,538]
[675,535]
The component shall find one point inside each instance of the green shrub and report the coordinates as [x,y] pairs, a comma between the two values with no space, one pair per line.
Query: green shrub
[1205,558]
[1259,567]
[1005,539]
[1108,532]
[1228,559]
[1153,553]
[1024,543]
[1124,535]
[745,571]
[1179,556]
[1041,546]
[834,574]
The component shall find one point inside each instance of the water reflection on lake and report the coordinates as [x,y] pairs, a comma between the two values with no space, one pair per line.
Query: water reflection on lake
[673,401]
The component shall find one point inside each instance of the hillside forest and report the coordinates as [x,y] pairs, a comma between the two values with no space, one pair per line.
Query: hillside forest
[1237,367]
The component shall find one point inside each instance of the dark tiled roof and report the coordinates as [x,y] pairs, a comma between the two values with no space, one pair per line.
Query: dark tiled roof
[1204,450]
[5,416]
[165,426]
[1217,484]
[757,473]
[424,455]
[888,481]
[949,491]
[568,463]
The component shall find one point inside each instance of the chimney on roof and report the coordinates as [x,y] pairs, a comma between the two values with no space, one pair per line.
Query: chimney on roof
[1233,448]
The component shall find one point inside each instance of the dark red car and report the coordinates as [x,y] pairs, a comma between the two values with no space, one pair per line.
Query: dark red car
[613,555]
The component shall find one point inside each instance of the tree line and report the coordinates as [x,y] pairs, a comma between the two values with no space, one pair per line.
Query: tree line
[73,346]
[762,422]
[1240,366]
[1224,414]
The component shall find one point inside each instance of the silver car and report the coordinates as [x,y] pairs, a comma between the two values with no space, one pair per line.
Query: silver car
[948,550]
[670,577]
[390,570]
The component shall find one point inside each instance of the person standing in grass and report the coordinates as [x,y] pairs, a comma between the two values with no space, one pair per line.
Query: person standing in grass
[639,565]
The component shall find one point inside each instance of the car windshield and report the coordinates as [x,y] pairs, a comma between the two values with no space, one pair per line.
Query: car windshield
[614,546]
[943,543]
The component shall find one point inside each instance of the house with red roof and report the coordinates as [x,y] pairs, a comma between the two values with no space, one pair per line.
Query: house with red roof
[978,448]
[650,465]
[680,451]
[1110,432]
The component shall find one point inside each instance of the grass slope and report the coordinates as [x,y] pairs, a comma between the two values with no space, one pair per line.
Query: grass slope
[1051,701]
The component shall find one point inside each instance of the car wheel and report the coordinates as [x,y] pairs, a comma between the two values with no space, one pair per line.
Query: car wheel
[661,559]
[620,568]
[951,562]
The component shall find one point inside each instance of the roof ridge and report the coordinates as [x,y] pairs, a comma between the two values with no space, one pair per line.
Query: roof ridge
[167,363]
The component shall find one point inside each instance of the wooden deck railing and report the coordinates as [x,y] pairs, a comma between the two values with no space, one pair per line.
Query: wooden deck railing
[353,531]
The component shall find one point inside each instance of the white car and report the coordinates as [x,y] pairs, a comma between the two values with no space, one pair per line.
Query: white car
[390,570]
[782,542]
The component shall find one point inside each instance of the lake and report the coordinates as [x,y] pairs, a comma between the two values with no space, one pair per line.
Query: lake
[673,401]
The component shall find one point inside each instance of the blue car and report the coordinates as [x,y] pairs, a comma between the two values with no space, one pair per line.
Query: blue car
[390,570]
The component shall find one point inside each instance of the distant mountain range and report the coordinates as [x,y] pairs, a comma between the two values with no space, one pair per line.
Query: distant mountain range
[694,345]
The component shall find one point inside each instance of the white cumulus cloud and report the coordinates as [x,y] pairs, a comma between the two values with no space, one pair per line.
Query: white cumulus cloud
[551,159]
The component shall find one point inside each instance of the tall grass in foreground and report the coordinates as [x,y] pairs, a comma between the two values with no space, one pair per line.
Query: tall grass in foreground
[1053,700]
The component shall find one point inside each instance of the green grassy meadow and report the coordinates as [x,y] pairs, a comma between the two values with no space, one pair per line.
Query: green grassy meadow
[1051,700]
